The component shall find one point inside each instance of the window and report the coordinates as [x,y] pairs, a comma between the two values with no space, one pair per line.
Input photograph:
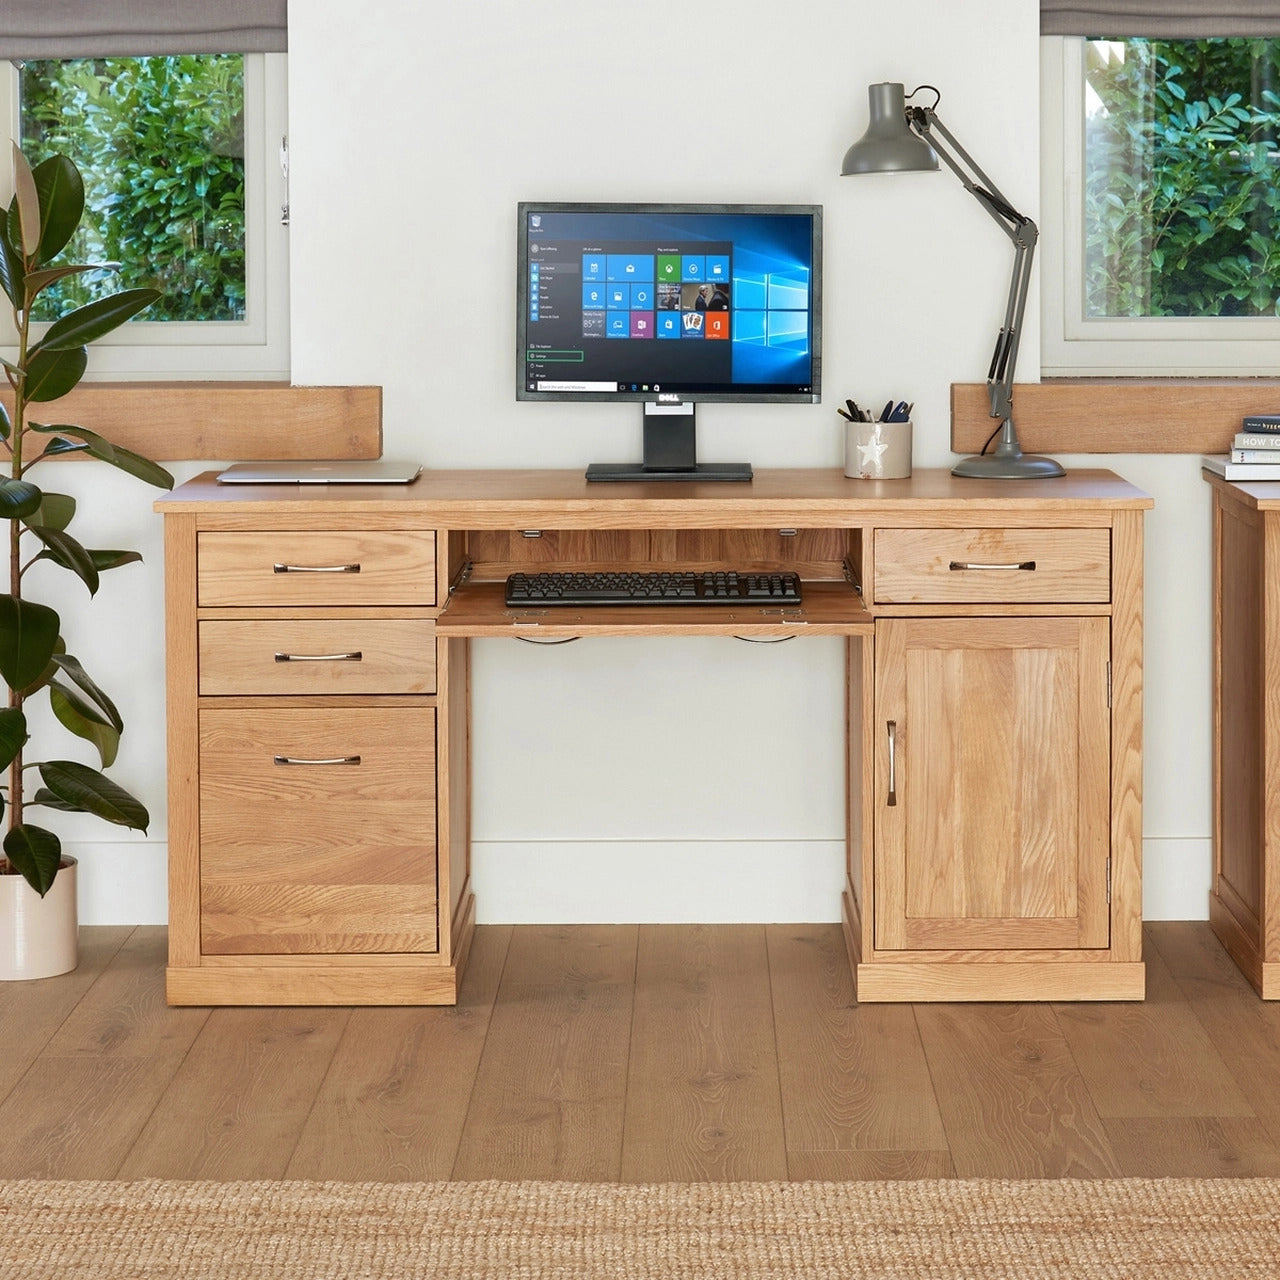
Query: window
[1160,206]
[182,161]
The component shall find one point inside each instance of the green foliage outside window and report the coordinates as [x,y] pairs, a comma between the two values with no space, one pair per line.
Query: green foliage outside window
[160,142]
[1181,203]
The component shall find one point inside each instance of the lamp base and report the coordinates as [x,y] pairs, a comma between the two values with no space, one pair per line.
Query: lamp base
[1022,466]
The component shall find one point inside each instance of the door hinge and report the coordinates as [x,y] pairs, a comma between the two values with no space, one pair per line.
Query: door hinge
[1108,878]
[1108,685]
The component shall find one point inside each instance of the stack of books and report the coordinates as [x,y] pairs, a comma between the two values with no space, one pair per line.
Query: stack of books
[1255,451]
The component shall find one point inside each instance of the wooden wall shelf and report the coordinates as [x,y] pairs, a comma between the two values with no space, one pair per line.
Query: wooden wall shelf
[1117,415]
[225,421]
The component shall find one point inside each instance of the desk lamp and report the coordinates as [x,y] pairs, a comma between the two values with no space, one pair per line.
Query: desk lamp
[903,139]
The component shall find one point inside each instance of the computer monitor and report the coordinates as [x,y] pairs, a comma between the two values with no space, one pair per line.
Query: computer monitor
[668,305]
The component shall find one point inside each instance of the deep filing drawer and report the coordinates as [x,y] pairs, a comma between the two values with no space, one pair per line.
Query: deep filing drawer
[317,830]
[322,655]
[331,567]
[998,566]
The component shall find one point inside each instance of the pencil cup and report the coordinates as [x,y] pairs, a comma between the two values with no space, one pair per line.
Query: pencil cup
[877,450]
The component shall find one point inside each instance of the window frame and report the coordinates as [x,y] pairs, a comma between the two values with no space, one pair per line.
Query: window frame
[1073,345]
[256,348]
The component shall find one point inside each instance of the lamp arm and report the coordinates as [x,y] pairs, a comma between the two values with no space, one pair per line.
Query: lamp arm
[1017,226]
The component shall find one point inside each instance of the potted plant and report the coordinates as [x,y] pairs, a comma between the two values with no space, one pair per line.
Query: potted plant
[45,211]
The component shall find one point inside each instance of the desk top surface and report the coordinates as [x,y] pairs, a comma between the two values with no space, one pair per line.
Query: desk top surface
[460,498]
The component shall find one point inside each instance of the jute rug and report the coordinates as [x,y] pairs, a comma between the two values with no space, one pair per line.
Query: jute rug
[1071,1230]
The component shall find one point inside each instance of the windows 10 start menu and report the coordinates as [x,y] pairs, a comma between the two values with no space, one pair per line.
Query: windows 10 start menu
[642,305]
[628,293]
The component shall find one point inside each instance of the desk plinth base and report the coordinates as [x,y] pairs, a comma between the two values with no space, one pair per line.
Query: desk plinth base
[1242,946]
[325,980]
[881,980]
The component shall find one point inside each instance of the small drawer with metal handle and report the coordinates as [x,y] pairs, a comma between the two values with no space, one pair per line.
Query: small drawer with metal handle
[998,566]
[316,567]
[317,655]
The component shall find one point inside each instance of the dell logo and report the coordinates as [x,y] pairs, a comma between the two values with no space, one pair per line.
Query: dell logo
[668,398]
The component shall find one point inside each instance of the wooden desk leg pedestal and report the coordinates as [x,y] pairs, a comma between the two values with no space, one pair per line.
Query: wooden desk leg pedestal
[995,766]
[1244,902]
[318,760]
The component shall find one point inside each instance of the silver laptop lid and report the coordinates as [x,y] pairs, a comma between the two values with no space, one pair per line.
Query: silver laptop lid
[377,471]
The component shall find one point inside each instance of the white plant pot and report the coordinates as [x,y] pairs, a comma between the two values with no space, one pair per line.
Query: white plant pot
[38,935]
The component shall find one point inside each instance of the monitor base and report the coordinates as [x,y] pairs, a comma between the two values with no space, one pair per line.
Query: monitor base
[631,472]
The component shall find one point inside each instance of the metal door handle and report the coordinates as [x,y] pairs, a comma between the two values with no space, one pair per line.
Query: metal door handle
[892,727]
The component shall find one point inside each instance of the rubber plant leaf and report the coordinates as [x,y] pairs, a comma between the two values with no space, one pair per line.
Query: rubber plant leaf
[34,853]
[18,498]
[142,468]
[56,510]
[51,374]
[36,282]
[60,191]
[78,716]
[89,791]
[79,676]
[46,797]
[98,446]
[13,734]
[65,550]
[107,558]
[88,323]
[28,640]
[125,459]
[11,265]
[27,200]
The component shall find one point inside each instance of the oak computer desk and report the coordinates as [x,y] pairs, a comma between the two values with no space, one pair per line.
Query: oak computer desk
[318,714]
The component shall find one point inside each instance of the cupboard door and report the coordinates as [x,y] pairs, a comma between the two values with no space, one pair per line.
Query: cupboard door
[992,764]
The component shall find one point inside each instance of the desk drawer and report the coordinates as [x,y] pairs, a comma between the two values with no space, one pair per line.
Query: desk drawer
[322,655]
[317,830]
[998,566]
[331,567]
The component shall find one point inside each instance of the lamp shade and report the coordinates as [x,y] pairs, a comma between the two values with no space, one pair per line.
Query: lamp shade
[888,146]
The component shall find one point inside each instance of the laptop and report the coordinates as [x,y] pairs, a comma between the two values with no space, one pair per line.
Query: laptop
[377,471]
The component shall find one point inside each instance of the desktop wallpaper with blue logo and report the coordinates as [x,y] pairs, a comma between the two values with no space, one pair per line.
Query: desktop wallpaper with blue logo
[709,301]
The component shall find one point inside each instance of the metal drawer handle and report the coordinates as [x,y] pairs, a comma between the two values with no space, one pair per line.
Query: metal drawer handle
[970,564]
[315,568]
[356,656]
[892,727]
[330,760]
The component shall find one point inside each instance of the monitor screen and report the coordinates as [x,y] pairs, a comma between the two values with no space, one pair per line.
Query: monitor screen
[646,302]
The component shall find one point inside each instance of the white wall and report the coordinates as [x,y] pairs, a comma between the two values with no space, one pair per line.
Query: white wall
[668,779]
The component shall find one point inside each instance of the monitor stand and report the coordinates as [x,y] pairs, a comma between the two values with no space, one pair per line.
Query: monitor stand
[670,451]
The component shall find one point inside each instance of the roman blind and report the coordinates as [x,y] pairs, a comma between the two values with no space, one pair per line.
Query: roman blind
[100,28]
[1172,19]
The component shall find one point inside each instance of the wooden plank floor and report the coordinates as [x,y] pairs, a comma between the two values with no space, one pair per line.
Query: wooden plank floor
[650,1053]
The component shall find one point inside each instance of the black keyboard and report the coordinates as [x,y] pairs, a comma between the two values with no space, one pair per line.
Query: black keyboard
[659,587]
